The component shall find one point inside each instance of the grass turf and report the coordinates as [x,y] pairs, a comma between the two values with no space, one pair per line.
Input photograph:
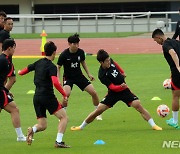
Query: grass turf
[122,129]
[82,35]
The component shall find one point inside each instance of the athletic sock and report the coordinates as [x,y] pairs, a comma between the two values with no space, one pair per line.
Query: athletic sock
[19,132]
[175,116]
[59,137]
[151,122]
[83,124]
[34,129]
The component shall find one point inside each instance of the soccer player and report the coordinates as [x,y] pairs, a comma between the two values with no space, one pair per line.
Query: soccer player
[112,76]
[71,59]
[6,101]
[171,51]
[2,17]
[177,31]
[5,34]
[44,99]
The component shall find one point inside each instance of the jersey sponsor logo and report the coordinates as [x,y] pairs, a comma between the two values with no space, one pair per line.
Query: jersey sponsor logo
[74,65]
[115,73]
[112,65]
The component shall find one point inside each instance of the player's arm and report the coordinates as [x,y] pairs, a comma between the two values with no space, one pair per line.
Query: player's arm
[58,86]
[23,71]
[0,47]
[117,88]
[119,68]
[175,58]
[176,31]
[86,70]
[58,71]
[11,80]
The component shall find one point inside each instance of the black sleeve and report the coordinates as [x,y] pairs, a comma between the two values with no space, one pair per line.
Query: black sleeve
[61,59]
[31,67]
[3,36]
[52,70]
[176,31]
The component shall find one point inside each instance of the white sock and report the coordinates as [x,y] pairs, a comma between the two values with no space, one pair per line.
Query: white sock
[175,116]
[59,137]
[34,129]
[83,125]
[19,132]
[151,122]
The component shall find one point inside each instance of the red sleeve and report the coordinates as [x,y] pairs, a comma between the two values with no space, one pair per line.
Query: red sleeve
[23,71]
[116,88]
[118,67]
[57,85]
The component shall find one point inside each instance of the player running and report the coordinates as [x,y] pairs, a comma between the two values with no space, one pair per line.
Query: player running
[44,99]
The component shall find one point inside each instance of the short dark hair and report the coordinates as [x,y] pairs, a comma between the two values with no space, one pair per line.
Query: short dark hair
[102,55]
[7,18]
[8,43]
[49,48]
[2,13]
[157,32]
[74,38]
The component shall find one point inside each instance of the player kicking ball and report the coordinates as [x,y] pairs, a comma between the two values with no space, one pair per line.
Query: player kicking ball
[112,75]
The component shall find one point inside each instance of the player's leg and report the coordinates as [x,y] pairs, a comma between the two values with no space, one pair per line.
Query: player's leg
[90,89]
[145,114]
[95,99]
[175,109]
[40,126]
[99,110]
[63,119]
[67,88]
[15,117]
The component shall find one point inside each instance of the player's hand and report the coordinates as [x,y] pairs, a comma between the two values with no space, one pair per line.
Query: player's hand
[65,101]
[91,77]
[19,72]
[123,85]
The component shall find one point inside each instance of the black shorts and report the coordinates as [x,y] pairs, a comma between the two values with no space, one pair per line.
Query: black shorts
[82,82]
[175,79]
[5,98]
[113,97]
[43,103]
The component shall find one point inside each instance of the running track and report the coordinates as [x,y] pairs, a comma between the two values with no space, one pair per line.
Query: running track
[130,45]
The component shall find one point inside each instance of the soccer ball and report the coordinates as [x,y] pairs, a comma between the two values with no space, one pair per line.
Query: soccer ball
[163,110]
[167,84]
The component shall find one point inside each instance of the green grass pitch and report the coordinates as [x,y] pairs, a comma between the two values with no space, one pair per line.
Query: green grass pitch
[122,129]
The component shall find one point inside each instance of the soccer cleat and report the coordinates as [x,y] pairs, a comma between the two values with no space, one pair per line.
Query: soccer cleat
[99,117]
[61,145]
[156,127]
[75,128]
[21,139]
[30,134]
[171,123]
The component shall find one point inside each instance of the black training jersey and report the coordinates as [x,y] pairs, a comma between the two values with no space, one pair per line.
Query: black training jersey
[4,35]
[110,75]
[71,62]
[44,69]
[5,68]
[171,44]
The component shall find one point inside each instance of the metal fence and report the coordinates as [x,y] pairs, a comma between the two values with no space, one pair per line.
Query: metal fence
[94,22]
